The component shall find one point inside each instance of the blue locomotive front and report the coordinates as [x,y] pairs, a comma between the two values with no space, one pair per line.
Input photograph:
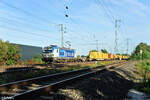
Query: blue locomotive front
[55,53]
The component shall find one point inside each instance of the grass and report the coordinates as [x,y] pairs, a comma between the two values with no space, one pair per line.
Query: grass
[145,89]
[21,76]
[143,69]
[100,63]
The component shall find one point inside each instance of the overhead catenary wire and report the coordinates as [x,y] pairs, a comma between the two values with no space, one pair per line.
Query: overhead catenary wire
[77,38]
[108,9]
[43,6]
[22,31]
[27,25]
[22,19]
[107,13]
[43,20]
[112,8]
[22,38]
[123,31]
[26,12]
[69,18]
[15,27]
[81,37]
[76,34]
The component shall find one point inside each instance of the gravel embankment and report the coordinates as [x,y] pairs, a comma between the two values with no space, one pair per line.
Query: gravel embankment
[113,85]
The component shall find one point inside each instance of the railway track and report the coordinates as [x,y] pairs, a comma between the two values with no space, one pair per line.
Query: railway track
[23,69]
[26,69]
[30,88]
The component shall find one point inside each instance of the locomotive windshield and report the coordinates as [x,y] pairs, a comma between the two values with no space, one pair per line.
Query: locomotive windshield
[47,51]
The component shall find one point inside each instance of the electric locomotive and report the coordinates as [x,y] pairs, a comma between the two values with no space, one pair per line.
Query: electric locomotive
[53,53]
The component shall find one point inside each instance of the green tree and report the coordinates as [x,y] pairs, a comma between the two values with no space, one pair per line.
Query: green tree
[125,54]
[145,52]
[13,55]
[104,51]
[3,52]
[9,54]
[93,51]
[83,56]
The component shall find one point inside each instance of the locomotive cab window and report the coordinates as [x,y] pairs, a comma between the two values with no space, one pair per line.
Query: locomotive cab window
[47,51]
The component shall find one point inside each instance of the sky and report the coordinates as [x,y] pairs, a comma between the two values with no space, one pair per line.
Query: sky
[37,23]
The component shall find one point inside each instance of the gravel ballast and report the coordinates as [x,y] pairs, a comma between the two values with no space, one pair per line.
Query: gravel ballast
[112,85]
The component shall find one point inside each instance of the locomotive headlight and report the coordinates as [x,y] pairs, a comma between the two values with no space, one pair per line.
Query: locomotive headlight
[51,55]
[47,55]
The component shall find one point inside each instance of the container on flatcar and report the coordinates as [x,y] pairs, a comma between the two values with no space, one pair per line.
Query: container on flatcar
[105,56]
[120,57]
[112,56]
[109,56]
[94,55]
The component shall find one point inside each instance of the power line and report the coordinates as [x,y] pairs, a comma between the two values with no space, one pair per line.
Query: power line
[16,29]
[122,23]
[111,16]
[19,30]
[25,12]
[26,20]
[23,38]
[21,23]
[70,18]
[78,35]
[74,22]
[105,11]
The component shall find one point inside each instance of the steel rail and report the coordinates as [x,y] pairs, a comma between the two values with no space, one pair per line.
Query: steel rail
[26,69]
[24,82]
[45,88]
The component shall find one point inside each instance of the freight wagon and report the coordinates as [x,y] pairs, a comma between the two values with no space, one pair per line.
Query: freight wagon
[94,55]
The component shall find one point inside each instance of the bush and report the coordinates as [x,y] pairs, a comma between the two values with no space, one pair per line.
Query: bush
[143,69]
[37,59]
[9,54]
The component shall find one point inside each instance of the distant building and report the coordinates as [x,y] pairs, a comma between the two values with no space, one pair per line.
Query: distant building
[27,52]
